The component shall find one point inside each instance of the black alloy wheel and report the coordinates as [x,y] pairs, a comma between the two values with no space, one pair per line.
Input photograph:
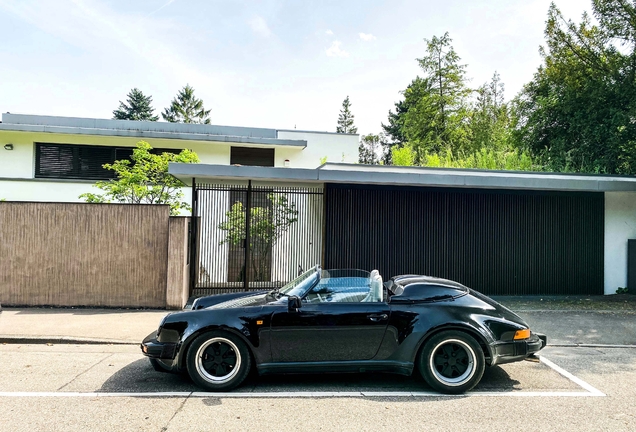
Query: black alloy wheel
[218,361]
[452,362]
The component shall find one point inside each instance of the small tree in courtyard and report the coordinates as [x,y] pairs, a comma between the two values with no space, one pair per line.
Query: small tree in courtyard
[267,224]
[144,180]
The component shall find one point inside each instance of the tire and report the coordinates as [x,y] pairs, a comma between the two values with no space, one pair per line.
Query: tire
[218,361]
[452,362]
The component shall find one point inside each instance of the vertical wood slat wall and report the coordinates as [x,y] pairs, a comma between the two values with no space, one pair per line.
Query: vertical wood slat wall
[498,242]
[65,254]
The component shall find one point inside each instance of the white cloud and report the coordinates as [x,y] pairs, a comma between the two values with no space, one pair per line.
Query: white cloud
[329,33]
[259,26]
[335,51]
[366,36]
[94,27]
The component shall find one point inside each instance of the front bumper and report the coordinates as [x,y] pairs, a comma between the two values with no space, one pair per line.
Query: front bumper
[152,348]
[508,352]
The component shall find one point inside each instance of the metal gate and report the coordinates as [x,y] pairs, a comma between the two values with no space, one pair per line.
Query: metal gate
[248,238]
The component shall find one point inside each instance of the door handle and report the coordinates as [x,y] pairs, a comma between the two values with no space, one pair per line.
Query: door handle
[378,317]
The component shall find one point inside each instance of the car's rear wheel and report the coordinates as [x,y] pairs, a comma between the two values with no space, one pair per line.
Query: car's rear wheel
[218,361]
[452,362]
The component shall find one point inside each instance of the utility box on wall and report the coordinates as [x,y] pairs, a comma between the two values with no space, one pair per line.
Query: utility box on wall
[631,266]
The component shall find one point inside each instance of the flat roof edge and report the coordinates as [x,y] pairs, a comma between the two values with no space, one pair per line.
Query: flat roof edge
[159,126]
[185,136]
[239,172]
[422,179]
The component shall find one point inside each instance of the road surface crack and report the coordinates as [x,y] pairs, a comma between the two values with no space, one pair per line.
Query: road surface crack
[178,410]
[83,372]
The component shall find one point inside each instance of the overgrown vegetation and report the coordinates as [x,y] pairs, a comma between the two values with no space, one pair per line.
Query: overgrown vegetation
[144,180]
[576,115]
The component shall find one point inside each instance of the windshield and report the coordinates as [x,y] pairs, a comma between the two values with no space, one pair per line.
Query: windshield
[302,283]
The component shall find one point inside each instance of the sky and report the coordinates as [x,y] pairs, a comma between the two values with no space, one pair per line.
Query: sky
[281,64]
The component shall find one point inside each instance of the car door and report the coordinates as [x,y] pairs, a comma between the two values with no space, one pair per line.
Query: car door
[329,331]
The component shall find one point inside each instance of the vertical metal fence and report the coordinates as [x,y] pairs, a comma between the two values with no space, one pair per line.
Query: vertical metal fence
[249,238]
[498,242]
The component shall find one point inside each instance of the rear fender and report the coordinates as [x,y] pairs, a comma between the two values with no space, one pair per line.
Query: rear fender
[474,333]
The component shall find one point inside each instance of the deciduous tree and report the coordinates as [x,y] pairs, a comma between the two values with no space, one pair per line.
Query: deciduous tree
[577,114]
[267,225]
[145,180]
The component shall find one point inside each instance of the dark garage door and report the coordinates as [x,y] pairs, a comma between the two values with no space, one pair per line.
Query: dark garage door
[498,242]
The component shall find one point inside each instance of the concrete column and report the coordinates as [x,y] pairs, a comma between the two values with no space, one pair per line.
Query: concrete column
[178,278]
[620,225]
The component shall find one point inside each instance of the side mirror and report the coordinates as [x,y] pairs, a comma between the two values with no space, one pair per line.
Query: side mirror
[293,303]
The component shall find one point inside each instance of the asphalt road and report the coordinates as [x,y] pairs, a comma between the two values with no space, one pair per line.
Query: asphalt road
[72,373]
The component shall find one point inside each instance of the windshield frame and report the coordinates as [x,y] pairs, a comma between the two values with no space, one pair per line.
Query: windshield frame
[302,284]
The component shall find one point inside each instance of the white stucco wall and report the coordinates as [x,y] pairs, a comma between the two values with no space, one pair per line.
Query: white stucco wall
[335,147]
[620,225]
[17,166]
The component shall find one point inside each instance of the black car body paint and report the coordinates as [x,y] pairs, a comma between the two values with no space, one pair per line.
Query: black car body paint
[345,336]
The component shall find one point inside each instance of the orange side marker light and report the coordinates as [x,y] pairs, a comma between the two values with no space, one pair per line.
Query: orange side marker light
[522,334]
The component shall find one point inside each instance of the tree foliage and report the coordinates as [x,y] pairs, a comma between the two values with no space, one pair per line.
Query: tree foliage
[394,130]
[137,107]
[441,122]
[345,119]
[186,108]
[438,119]
[578,113]
[490,120]
[267,224]
[371,149]
[145,180]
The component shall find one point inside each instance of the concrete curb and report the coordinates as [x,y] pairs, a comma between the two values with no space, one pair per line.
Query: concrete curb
[599,311]
[584,345]
[69,340]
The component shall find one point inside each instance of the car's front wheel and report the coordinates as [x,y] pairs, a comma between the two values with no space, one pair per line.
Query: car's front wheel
[218,361]
[452,362]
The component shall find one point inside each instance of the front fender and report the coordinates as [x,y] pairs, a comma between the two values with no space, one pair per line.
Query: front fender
[184,327]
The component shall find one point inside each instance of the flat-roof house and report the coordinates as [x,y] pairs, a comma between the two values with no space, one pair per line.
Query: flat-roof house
[505,233]
[47,158]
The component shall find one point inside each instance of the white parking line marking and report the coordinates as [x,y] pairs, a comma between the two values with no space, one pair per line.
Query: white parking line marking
[590,392]
[262,395]
[568,375]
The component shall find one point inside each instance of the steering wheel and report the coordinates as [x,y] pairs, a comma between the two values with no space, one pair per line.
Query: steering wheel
[320,298]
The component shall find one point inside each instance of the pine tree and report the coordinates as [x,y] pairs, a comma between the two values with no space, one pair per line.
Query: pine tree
[345,119]
[137,107]
[186,108]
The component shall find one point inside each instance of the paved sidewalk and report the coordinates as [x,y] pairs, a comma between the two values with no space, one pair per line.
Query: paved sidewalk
[77,325]
[598,320]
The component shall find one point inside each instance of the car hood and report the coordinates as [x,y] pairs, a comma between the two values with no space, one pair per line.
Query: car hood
[258,299]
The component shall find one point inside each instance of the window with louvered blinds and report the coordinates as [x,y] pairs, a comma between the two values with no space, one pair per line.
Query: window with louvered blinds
[70,161]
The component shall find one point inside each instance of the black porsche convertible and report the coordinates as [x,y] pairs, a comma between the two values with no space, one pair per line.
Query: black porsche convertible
[343,321]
